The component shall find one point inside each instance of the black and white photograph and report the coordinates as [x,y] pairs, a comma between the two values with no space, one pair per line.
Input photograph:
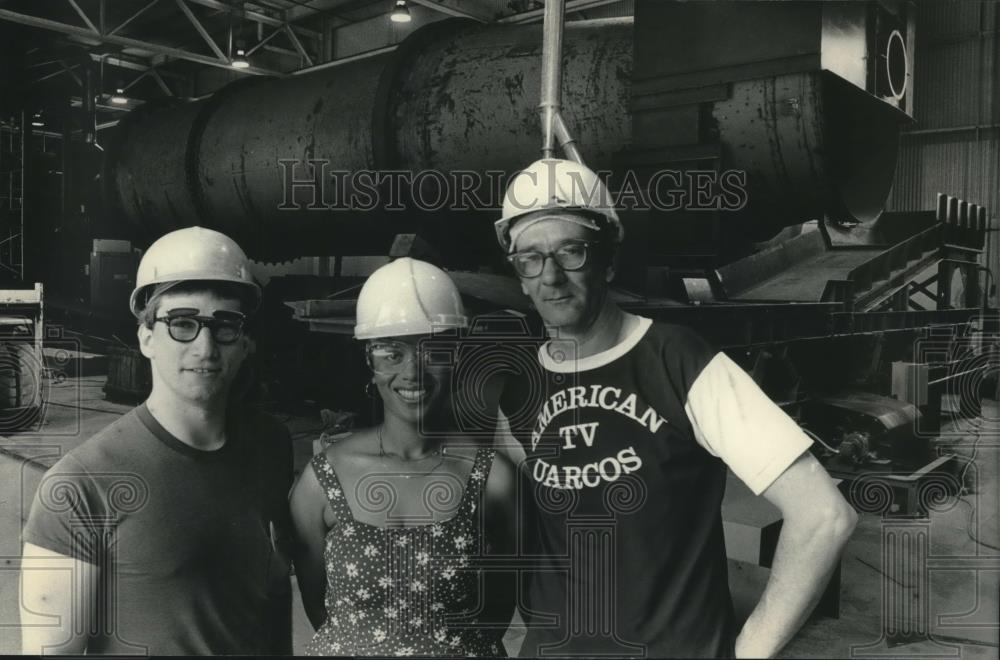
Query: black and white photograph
[500,328]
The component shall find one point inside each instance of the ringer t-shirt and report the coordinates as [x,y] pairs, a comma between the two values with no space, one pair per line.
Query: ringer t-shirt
[627,454]
[183,537]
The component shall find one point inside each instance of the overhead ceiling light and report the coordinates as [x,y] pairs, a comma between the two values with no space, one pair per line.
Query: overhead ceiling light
[37,121]
[400,13]
[240,61]
[119,98]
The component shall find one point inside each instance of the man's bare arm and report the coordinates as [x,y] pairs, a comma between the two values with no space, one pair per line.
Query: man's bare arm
[307,505]
[57,602]
[817,524]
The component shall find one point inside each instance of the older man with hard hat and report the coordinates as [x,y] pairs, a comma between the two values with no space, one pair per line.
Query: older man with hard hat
[158,534]
[637,426]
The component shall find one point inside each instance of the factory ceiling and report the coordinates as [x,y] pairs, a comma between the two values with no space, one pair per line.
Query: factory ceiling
[153,49]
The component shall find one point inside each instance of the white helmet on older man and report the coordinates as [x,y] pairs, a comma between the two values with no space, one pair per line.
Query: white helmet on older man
[553,187]
[192,253]
[408,297]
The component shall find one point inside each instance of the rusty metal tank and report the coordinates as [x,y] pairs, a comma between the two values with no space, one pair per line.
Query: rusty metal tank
[460,97]
[454,96]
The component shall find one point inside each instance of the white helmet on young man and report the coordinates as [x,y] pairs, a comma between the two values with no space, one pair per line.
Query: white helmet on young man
[553,187]
[408,297]
[192,253]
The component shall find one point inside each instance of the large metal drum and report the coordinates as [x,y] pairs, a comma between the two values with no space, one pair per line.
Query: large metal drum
[286,166]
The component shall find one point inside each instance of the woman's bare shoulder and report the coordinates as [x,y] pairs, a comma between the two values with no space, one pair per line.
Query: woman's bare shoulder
[359,444]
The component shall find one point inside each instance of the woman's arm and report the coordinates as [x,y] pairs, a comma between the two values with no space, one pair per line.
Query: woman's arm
[308,503]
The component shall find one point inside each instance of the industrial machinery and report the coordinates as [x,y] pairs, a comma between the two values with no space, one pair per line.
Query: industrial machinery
[814,131]
[22,360]
[751,174]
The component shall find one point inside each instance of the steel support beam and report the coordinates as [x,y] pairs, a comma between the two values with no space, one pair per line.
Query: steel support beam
[135,80]
[83,15]
[287,52]
[298,45]
[77,102]
[63,68]
[119,62]
[454,8]
[161,82]
[571,6]
[201,30]
[131,18]
[261,42]
[310,8]
[257,17]
[345,60]
[160,76]
[159,49]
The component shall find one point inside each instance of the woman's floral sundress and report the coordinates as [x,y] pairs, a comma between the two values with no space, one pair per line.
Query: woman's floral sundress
[403,590]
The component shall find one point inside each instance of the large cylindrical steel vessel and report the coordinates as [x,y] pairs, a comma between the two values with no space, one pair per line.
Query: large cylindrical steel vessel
[275,162]
[452,97]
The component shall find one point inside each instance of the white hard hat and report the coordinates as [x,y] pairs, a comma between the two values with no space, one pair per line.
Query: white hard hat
[570,190]
[193,253]
[408,297]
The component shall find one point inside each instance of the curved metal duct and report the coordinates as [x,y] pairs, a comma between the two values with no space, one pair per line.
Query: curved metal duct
[811,145]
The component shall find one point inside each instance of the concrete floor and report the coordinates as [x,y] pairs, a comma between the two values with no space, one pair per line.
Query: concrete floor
[952,600]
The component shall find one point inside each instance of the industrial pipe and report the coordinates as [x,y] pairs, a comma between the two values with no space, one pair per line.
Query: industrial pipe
[551,93]
[554,127]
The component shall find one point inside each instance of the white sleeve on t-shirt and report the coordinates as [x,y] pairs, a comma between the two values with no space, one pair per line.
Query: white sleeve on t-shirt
[735,421]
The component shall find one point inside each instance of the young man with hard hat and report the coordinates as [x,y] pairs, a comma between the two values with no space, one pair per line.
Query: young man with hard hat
[157,535]
[636,427]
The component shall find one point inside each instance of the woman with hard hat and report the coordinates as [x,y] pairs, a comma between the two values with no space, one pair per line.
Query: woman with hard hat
[393,520]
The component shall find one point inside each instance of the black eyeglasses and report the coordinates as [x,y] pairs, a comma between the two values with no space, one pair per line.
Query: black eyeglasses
[226,327]
[570,256]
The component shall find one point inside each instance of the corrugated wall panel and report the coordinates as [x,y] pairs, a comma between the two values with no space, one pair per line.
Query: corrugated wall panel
[990,79]
[943,17]
[965,165]
[989,195]
[943,168]
[985,182]
[906,186]
[956,89]
[948,85]
[614,10]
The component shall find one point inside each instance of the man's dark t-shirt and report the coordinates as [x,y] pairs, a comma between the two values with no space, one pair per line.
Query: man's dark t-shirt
[627,452]
[183,536]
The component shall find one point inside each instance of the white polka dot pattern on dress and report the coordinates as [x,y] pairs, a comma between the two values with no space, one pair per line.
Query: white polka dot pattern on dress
[393,591]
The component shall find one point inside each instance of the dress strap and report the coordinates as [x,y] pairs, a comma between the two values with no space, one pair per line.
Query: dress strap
[331,486]
[481,466]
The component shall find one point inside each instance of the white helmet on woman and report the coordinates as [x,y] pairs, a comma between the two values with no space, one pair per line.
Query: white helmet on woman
[192,253]
[408,297]
[553,187]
